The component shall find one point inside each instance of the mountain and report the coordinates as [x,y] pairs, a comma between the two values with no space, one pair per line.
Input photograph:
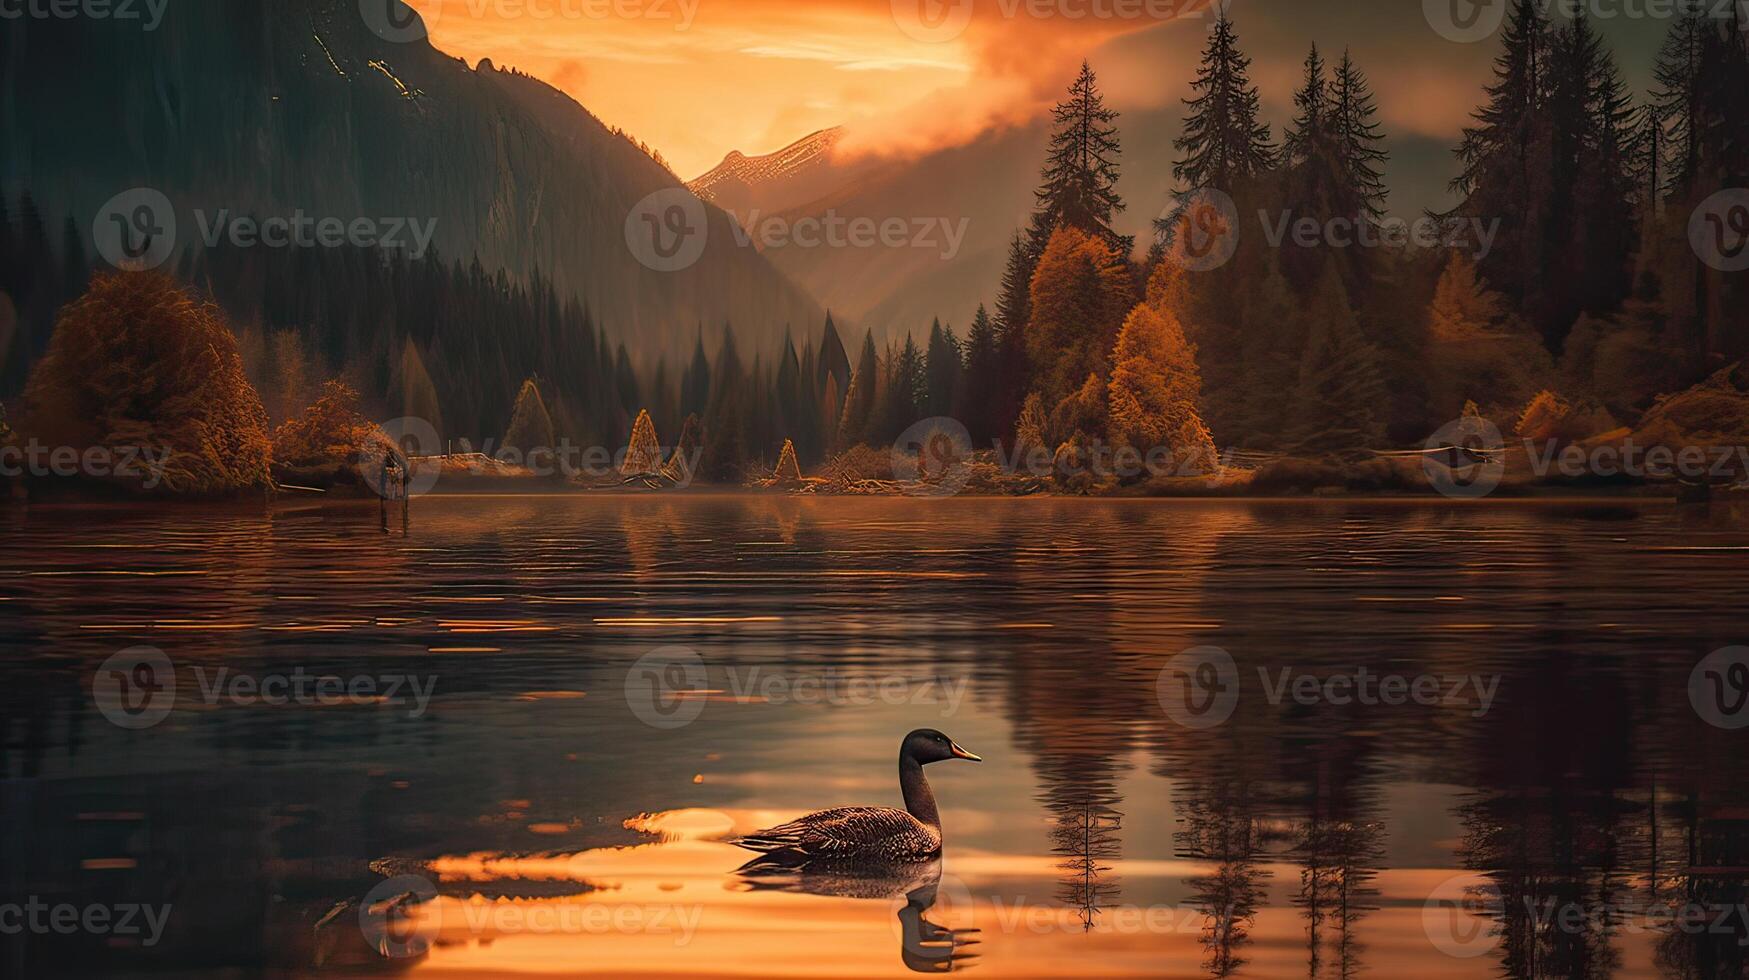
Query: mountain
[798,173]
[265,109]
[984,186]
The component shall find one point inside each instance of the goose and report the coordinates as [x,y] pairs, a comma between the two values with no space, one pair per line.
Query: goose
[867,834]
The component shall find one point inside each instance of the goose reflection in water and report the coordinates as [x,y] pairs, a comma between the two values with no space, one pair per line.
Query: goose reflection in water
[924,946]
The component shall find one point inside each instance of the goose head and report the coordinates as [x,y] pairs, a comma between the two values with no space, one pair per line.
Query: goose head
[926,745]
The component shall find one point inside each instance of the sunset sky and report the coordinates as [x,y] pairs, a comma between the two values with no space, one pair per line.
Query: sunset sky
[698,78]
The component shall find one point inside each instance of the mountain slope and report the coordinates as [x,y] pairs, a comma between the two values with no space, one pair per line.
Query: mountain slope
[265,108]
[800,172]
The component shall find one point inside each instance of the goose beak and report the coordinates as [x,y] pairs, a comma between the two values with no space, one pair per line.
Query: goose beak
[960,753]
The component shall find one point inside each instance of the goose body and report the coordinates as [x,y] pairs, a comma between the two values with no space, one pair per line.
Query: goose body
[867,834]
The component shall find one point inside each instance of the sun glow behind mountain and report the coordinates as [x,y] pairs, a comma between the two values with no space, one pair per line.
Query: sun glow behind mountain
[697,78]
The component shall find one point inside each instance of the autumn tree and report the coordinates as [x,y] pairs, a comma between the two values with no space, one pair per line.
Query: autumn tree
[1155,393]
[1079,295]
[138,362]
[330,430]
[531,427]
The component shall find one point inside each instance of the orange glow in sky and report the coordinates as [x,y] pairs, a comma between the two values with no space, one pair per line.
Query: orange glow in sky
[698,78]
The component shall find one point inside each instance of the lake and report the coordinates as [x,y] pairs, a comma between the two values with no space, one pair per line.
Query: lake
[1264,739]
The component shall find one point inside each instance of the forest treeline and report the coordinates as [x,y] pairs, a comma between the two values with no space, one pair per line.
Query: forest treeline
[1590,303]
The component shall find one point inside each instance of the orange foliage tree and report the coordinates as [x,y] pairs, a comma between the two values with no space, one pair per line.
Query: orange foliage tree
[137,362]
[330,430]
[1080,293]
[1156,386]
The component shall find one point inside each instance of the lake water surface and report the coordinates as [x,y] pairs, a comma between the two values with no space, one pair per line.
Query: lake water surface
[1445,740]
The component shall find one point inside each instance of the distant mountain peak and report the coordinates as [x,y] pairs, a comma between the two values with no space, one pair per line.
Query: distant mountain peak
[739,174]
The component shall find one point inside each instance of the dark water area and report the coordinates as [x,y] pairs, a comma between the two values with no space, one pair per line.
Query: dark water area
[1247,738]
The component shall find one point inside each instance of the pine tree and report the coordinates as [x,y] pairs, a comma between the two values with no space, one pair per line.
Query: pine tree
[1013,309]
[943,371]
[1079,181]
[1340,395]
[981,397]
[1359,141]
[695,385]
[904,394]
[1505,126]
[833,360]
[1507,171]
[725,424]
[859,400]
[1310,132]
[1223,141]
